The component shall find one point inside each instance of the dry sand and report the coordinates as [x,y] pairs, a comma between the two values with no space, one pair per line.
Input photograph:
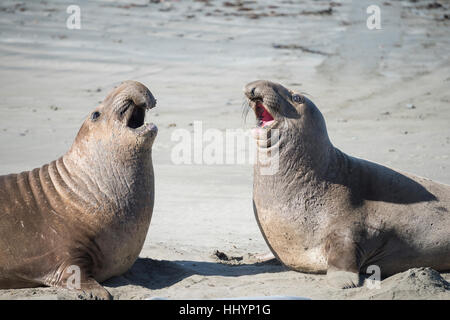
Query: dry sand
[384,93]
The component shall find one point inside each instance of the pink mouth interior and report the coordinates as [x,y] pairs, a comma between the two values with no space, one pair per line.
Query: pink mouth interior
[264,117]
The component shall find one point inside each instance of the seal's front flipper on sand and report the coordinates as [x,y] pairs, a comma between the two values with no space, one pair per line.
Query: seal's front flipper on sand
[265,257]
[89,289]
[343,269]
[341,279]
[92,290]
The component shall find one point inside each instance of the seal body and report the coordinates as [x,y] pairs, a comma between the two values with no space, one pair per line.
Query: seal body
[321,210]
[83,218]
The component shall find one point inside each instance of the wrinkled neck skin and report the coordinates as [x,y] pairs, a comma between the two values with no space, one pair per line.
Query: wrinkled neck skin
[306,157]
[109,179]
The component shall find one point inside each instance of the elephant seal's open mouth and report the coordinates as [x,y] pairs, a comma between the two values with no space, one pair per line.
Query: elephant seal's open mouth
[262,106]
[263,116]
[134,118]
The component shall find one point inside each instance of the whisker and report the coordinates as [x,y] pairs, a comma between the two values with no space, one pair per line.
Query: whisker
[245,110]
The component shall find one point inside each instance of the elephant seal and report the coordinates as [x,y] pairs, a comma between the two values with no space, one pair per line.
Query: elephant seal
[325,211]
[83,218]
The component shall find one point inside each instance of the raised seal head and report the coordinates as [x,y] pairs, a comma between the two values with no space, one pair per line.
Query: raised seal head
[299,123]
[119,120]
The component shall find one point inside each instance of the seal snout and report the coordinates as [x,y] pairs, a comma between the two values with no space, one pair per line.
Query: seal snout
[251,92]
[138,93]
[136,99]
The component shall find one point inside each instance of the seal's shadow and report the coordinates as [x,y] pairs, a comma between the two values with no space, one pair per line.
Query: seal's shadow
[158,274]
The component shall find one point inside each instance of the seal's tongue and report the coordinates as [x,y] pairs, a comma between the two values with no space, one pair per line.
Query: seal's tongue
[264,117]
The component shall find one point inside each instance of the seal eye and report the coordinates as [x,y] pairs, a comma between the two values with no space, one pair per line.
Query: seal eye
[95,115]
[297,98]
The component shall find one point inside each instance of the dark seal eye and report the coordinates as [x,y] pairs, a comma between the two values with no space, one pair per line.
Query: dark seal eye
[95,115]
[297,98]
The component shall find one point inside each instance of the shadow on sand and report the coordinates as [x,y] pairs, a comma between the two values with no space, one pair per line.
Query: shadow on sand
[158,274]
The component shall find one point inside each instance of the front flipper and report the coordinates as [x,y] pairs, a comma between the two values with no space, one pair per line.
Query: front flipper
[343,262]
[264,257]
[92,290]
[81,282]
[343,279]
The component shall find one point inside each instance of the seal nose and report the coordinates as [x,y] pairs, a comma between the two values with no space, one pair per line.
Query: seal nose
[138,93]
[250,93]
[250,90]
[255,89]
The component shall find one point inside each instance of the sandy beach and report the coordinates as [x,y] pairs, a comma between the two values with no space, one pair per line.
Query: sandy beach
[384,94]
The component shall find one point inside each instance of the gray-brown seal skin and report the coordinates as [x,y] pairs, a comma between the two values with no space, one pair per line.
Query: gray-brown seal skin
[325,211]
[91,208]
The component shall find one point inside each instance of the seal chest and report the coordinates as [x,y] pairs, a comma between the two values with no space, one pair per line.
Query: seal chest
[290,240]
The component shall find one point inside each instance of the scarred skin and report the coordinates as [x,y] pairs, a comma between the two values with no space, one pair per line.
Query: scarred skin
[324,211]
[90,208]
